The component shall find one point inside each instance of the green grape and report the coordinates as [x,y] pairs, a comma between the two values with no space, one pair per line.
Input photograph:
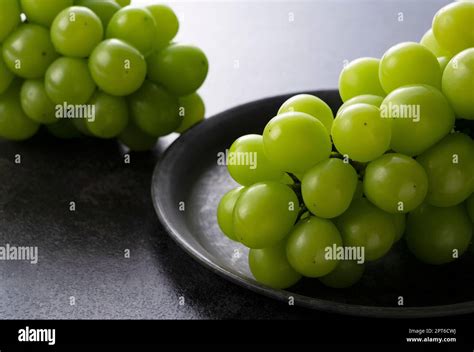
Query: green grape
[409,63]
[135,139]
[346,274]
[111,115]
[14,124]
[270,267]
[429,41]
[310,105]
[360,77]
[295,141]
[187,62]
[166,22]
[438,235]
[63,129]
[359,191]
[117,68]
[264,214]
[449,165]
[28,51]
[35,102]
[43,12]
[470,207]
[123,3]
[225,211]
[420,115]
[360,133]
[458,83]
[81,126]
[247,163]
[452,26]
[328,188]
[105,9]
[154,110]
[395,183]
[9,17]
[308,245]
[399,221]
[193,109]
[443,62]
[374,100]
[76,31]
[366,226]
[135,26]
[68,81]
[6,76]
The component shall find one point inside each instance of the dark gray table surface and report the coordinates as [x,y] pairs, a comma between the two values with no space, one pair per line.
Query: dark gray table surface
[255,49]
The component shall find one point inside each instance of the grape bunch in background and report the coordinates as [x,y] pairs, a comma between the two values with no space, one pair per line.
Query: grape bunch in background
[396,161]
[82,53]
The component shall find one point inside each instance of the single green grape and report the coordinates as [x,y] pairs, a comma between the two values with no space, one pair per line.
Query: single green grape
[64,129]
[458,83]
[166,22]
[111,115]
[395,183]
[6,76]
[247,162]
[187,62]
[328,188]
[9,17]
[68,81]
[270,267]
[295,141]
[429,41]
[192,109]
[43,12]
[470,207]
[409,63]
[399,221]
[438,235]
[308,245]
[117,68]
[264,214]
[361,133]
[28,51]
[346,274]
[366,226]
[374,100]
[360,77]
[225,212]
[420,116]
[135,139]
[35,102]
[443,62]
[154,110]
[105,9]
[310,105]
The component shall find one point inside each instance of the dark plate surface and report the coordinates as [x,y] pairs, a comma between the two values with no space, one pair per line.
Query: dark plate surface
[187,186]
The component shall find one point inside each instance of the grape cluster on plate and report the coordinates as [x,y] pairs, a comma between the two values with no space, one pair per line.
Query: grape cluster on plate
[320,195]
[93,67]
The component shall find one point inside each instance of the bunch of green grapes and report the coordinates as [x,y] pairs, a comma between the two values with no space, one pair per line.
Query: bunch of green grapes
[98,68]
[397,161]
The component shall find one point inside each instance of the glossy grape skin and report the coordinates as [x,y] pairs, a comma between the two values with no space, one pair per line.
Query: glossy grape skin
[429,41]
[365,225]
[6,76]
[328,188]
[43,12]
[61,74]
[166,22]
[111,115]
[117,68]
[307,244]
[187,62]
[452,26]
[104,9]
[458,83]
[360,77]
[225,212]
[154,110]
[406,64]
[9,17]
[270,267]
[76,31]
[310,105]
[14,124]
[35,102]
[346,274]
[251,145]
[135,139]
[399,221]
[28,51]
[450,168]
[374,100]
[413,135]
[395,183]
[135,26]
[470,207]
[361,133]
[295,141]
[193,111]
[434,233]
[264,214]
[64,129]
